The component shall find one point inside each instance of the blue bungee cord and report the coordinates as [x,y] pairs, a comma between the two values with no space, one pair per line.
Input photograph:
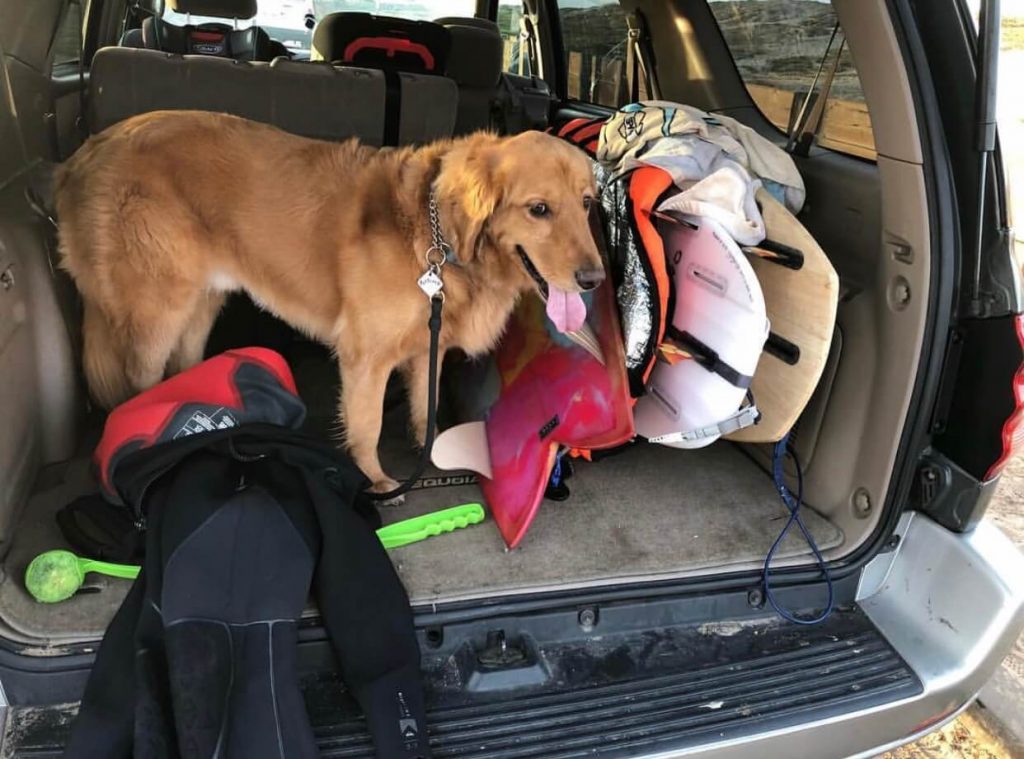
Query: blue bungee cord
[793,506]
[556,473]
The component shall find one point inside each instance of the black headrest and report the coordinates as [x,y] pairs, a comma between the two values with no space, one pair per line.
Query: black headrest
[475,57]
[213,39]
[241,9]
[381,42]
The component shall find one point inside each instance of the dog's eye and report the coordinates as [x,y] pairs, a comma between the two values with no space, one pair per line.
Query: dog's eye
[539,210]
[587,202]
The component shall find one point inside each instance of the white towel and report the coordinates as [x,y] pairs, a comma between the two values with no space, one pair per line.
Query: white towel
[727,196]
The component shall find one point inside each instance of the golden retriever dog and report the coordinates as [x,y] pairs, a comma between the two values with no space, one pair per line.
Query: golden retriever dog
[164,214]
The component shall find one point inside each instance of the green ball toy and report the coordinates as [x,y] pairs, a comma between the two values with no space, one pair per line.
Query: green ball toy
[55,576]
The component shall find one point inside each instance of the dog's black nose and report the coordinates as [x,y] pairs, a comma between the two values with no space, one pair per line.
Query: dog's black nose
[588,279]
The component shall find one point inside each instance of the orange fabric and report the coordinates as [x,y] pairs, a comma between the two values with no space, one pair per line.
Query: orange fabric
[572,124]
[582,132]
[672,354]
[646,185]
[587,133]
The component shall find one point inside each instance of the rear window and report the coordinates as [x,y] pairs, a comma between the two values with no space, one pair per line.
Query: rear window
[285,21]
[514,57]
[778,47]
[67,43]
[594,36]
[419,10]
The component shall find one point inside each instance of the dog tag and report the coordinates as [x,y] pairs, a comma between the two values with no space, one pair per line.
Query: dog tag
[430,283]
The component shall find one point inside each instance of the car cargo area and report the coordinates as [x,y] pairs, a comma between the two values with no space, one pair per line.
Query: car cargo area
[646,513]
[693,280]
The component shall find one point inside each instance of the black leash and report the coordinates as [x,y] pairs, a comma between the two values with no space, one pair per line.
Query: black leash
[433,286]
[436,304]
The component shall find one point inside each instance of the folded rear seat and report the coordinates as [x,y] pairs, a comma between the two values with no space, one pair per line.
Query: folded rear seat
[490,98]
[310,99]
[474,62]
[413,57]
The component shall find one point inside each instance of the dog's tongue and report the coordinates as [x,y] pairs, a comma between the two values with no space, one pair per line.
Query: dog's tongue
[566,309]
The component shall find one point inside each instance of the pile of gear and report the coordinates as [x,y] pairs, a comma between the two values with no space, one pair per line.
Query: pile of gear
[719,325]
[687,198]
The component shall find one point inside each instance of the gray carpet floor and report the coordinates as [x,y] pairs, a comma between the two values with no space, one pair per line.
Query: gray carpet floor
[650,512]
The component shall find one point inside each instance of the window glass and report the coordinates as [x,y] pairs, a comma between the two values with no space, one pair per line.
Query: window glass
[285,21]
[515,58]
[68,42]
[420,10]
[778,47]
[594,37]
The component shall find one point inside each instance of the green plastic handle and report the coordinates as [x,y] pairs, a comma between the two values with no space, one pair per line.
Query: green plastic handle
[419,528]
[126,571]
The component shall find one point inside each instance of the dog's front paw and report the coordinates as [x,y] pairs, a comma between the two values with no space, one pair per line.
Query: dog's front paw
[386,485]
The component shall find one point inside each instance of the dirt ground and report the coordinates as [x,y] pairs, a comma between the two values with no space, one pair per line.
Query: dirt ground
[1007,511]
[971,736]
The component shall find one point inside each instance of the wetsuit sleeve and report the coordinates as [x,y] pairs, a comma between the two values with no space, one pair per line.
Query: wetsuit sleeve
[105,726]
[366,612]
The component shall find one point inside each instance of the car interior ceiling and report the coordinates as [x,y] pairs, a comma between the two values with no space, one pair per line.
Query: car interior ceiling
[649,513]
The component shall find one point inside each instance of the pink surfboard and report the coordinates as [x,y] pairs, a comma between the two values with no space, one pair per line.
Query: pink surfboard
[555,391]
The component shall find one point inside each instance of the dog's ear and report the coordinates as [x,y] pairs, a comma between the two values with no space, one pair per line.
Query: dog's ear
[468,192]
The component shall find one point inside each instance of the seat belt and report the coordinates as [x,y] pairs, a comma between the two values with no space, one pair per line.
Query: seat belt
[392,107]
[80,122]
[527,46]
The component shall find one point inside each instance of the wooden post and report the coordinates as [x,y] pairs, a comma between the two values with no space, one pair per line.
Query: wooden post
[506,55]
[611,89]
[575,73]
[593,82]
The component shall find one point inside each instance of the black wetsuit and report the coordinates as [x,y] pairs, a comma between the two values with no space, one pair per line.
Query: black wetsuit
[200,659]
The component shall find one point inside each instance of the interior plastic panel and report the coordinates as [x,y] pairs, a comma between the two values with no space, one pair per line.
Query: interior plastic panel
[36,360]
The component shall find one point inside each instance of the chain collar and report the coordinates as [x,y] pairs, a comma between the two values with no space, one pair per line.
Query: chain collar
[439,252]
[437,255]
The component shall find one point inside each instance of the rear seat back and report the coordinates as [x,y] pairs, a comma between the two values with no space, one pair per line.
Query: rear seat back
[474,62]
[381,42]
[490,98]
[309,99]
[405,51]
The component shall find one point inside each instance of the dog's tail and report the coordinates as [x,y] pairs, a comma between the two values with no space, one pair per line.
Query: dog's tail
[104,359]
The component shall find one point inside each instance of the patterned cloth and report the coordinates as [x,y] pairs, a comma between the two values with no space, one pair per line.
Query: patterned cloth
[694,147]
[688,141]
